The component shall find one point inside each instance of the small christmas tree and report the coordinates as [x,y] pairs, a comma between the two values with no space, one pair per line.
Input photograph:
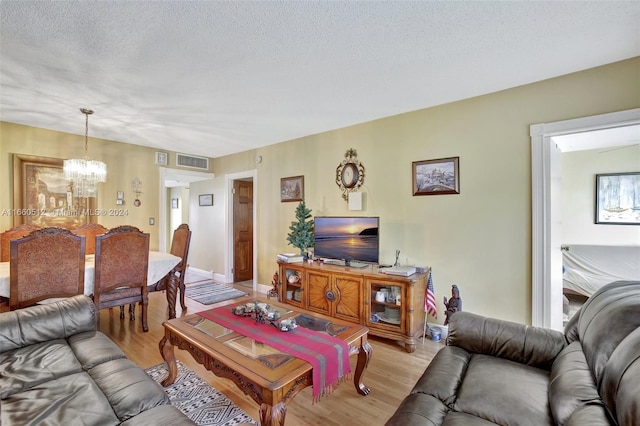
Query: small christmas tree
[301,235]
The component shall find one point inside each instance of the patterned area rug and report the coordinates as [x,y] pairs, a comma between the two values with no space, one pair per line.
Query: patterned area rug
[198,400]
[212,292]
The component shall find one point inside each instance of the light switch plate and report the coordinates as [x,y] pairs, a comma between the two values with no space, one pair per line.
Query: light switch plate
[152,221]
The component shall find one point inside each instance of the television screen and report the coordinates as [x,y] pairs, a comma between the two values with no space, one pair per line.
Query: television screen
[346,238]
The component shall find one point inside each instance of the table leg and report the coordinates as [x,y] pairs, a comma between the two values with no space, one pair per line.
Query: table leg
[172,292]
[363,361]
[272,415]
[166,350]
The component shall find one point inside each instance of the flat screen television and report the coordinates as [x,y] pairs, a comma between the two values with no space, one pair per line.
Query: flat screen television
[350,239]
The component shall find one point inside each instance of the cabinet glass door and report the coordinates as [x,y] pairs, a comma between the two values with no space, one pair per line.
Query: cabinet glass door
[386,304]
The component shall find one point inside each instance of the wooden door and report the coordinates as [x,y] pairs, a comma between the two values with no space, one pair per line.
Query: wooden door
[242,230]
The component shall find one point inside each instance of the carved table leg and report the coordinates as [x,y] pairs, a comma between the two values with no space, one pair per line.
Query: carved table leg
[363,361]
[272,415]
[172,292]
[166,350]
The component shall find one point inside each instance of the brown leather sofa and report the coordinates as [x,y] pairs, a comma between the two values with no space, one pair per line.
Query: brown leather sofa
[498,372]
[57,369]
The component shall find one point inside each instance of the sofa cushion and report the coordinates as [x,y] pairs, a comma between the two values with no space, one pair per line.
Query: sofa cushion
[593,414]
[533,346]
[93,348]
[607,318]
[128,388]
[620,386]
[42,323]
[419,409]
[504,392]
[69,400]
[29,366]
[445,374]
[571,383]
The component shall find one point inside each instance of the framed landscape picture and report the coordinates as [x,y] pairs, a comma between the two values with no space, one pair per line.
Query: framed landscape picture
[618,199]
[41,195]
[292,188]
[435,177]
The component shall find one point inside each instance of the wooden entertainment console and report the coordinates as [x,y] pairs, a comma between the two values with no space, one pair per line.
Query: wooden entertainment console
[391,306]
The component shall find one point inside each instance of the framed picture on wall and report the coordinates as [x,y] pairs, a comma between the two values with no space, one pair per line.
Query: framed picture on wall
[174,203]
[435,177]
[41,195]
[292,188]
[205,199]
[618,199]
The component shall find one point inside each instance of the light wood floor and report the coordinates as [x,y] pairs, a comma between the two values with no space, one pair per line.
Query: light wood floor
[391,374]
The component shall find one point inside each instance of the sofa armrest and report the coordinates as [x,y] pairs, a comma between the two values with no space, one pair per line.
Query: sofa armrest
[533,346]
[45,322]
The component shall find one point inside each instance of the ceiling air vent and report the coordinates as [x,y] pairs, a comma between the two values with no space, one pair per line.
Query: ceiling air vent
[185,160]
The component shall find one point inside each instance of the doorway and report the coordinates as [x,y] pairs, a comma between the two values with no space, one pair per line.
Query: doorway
[249,212]
[546,181]
[171,178]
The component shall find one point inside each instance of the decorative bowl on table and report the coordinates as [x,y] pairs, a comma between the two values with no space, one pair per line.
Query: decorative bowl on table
[286,324]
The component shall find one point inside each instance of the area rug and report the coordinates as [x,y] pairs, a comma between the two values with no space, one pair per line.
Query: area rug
[198,400]
[212,292]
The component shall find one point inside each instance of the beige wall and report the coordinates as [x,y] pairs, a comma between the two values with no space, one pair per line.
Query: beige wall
[479,239]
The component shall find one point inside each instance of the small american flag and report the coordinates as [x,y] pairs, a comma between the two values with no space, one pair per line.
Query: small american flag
[430,299]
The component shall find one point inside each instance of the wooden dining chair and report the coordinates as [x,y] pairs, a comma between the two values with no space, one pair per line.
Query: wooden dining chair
[18,231]
[180,248]
[48,263]
[90,231]
[121,265]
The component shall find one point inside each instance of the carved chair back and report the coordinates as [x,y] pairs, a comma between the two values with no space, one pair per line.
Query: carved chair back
[18,231]
[90,231]
[180,248]
[47,263]
[122,262]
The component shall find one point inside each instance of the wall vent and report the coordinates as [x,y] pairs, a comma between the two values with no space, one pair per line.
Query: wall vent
[185,160]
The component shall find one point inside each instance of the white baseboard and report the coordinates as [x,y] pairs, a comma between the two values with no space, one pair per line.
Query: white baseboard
[202,272]
[220,278]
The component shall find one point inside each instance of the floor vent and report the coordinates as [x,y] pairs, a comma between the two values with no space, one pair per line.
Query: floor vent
[185,160]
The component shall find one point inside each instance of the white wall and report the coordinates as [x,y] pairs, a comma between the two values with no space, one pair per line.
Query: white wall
[579,169]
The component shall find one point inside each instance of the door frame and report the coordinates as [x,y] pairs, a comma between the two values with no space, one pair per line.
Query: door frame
[546,220]
[168,173]
[228,220]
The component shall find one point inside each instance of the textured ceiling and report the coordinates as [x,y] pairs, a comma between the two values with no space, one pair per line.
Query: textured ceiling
[213,78]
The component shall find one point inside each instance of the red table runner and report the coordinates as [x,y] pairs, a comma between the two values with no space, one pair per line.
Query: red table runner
[328,355]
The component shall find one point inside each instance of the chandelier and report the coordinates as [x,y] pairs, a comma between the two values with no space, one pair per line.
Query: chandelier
[84,174]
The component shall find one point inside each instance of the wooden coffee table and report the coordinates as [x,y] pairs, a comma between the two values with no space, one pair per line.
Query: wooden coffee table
[272,378]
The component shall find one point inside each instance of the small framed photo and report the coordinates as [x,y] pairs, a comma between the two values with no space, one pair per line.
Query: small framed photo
[292,188]
[174,203]
[206,199]
[618,199]
[434,177]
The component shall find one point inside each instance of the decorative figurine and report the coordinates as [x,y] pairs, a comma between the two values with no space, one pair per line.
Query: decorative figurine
[454,304]
[274,291]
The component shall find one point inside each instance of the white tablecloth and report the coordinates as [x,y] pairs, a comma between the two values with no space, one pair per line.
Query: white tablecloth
[159,265]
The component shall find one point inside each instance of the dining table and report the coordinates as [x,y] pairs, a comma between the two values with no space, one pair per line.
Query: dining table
[161,264]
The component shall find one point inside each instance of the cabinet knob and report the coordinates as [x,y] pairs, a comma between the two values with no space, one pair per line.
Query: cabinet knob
[330,295]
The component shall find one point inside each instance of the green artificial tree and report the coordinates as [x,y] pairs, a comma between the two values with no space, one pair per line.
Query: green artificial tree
[301,235]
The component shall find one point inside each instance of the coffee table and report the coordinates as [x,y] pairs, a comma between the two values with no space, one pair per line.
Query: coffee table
[270,377]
